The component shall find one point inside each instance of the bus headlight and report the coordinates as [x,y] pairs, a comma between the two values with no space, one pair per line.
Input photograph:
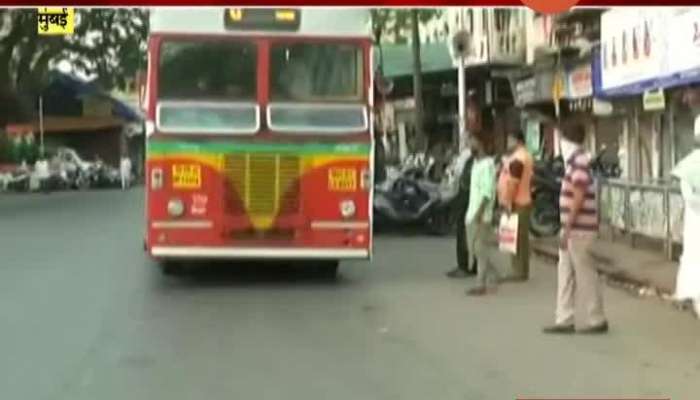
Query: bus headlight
[347,208]
[176,208]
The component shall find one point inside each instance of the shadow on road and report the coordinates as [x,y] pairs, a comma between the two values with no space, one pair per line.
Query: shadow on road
[261,274]
[411,231]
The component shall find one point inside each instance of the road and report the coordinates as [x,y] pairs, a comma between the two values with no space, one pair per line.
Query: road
[85,315]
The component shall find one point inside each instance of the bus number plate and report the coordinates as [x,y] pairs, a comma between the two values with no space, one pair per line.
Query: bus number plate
[342,179]
[187,176]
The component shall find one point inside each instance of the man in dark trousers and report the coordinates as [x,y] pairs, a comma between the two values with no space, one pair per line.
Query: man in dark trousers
[465,265]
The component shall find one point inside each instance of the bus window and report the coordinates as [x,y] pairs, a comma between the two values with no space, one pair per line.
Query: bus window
[192,70]
[207,86]
[309,72]
[316,88]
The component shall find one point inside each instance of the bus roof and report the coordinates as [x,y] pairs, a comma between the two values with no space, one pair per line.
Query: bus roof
[313,21]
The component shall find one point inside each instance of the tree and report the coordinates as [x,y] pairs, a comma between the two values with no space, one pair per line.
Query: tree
[395,25]
[108,44]
[417,82]
[398,24]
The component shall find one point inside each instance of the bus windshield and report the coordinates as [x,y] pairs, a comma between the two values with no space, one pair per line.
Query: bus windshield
[207,86]
[316,87]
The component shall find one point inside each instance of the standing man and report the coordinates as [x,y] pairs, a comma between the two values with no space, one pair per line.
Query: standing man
[577,273]
[480,234]
[465,266]
[125,169]
[514,195]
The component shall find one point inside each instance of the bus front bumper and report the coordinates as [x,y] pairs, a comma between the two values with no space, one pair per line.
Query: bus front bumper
[258,253]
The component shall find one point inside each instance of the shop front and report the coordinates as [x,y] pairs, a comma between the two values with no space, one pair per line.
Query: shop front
[533,96]
[652,74]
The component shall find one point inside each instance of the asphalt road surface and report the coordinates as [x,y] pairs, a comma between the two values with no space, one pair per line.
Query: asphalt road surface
[84,314]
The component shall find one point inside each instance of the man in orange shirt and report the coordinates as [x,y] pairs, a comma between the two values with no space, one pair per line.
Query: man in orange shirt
[514,195]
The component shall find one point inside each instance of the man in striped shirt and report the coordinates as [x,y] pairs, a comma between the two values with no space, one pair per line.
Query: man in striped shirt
[577,273]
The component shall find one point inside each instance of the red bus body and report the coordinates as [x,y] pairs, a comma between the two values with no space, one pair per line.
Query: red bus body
[266,195]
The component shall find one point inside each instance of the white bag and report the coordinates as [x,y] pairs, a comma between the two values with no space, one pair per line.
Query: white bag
[508,233]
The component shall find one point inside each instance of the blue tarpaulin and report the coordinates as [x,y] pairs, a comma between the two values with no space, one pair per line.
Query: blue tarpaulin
[64,95]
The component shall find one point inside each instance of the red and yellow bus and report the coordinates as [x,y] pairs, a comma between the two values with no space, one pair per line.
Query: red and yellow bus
[259,135]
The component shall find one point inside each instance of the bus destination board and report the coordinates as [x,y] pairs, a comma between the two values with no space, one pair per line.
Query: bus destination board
[263,19]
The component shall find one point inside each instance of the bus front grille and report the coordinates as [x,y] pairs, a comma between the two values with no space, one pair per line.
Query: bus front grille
[262,185]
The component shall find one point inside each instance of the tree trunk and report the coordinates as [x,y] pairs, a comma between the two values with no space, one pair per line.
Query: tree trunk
[421,140]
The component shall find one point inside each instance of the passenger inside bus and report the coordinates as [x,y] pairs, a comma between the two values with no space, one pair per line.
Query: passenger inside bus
[296,80]
[208,71]
[313,72]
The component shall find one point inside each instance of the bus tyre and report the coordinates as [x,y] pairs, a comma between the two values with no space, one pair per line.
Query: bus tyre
[328,269]
[170,268]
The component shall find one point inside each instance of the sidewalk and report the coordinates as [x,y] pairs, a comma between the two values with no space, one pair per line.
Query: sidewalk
[619,260]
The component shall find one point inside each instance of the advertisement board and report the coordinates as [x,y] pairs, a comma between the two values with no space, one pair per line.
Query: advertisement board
[644,49]
[525,91]
[633,45]
[683,40]
[579,82]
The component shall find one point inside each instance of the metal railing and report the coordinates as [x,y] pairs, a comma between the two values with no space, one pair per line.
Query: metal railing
[651,208]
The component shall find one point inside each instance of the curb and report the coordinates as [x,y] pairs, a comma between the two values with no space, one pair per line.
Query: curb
[606,267]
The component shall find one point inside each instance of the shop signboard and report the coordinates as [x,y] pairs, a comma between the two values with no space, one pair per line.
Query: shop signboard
[579,82]
[633,45]
[644,49]
[525,91]
[537,89]
[683,39]
[654,100]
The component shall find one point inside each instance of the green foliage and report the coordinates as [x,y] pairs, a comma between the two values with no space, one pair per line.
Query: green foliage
[394,24]
[108,42]
[15,152]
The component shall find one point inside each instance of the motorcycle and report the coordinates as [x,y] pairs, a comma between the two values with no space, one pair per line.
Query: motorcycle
[104,176]
[408,197]
[606,164]
[97,175]
[546,187]
[18,181]
[56,181]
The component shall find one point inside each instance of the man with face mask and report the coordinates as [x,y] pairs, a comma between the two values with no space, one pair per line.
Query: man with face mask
[514,195]
[577,273]
[688,172]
